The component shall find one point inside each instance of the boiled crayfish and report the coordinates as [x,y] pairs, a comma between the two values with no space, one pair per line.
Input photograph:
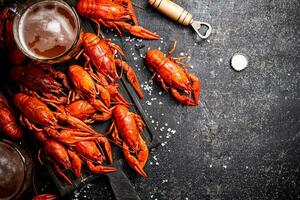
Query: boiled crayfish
[58,155]
[129,126]
[38,117]
[172,76]
[87,89]
[89,152]
[8,123]
[114,13]
[101,54]
[41,80]
[83,110]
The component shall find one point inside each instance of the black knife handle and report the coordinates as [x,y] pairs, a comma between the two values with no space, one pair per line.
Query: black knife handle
[121,185]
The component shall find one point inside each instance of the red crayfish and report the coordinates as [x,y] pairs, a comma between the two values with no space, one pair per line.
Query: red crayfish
[113,13]
[8,124]
[101,54]
[38,117]
[87,89]
[41,80]
[59,156]
[129,126]
[83,110]
[89,152]
[172,76]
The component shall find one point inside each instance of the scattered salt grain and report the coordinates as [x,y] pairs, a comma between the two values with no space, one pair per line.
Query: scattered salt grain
[165,181]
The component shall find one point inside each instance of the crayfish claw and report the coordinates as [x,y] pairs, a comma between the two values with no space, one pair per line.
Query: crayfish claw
[131,76]
[138,31]
[183,99]
[132,161]
[99,169]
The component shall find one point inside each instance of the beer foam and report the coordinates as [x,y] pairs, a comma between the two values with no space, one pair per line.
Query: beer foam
[47,33]
[53,26]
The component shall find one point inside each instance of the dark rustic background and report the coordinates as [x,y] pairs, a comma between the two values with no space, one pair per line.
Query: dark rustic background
[242,142]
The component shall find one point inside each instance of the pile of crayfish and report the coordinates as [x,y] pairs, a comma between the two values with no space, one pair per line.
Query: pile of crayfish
[59,107]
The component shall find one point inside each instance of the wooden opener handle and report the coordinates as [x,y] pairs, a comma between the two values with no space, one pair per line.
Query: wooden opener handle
[173,11]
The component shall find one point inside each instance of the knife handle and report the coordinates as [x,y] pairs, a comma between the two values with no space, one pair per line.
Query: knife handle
[121,185]
[173,11]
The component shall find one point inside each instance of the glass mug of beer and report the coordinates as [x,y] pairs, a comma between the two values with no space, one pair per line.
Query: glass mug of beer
[47,31]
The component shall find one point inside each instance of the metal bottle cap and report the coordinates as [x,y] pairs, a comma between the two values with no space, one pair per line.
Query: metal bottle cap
[239,61]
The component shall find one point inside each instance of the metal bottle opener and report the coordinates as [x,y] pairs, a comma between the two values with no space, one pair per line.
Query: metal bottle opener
[180,15]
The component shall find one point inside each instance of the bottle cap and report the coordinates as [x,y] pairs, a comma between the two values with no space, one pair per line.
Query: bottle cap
[239,61]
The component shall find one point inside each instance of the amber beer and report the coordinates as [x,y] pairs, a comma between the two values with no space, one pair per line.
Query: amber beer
[48,30]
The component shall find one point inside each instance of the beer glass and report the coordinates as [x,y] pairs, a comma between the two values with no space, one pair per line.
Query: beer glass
[47,31]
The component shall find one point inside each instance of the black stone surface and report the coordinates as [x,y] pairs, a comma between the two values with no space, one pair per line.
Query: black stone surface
[242,141]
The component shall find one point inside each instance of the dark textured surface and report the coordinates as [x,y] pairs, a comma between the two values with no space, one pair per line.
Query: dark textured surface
[242,142]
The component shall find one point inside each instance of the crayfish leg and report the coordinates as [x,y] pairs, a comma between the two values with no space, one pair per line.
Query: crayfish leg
[74,122]
[101,117]
[76,162]
[115,135]
[99,169]
[162,82]
[61,173]
[140,123]
[105,142]
[173,49]
[104,94]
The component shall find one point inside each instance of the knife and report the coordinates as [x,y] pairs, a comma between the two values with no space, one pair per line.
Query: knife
[121,185]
